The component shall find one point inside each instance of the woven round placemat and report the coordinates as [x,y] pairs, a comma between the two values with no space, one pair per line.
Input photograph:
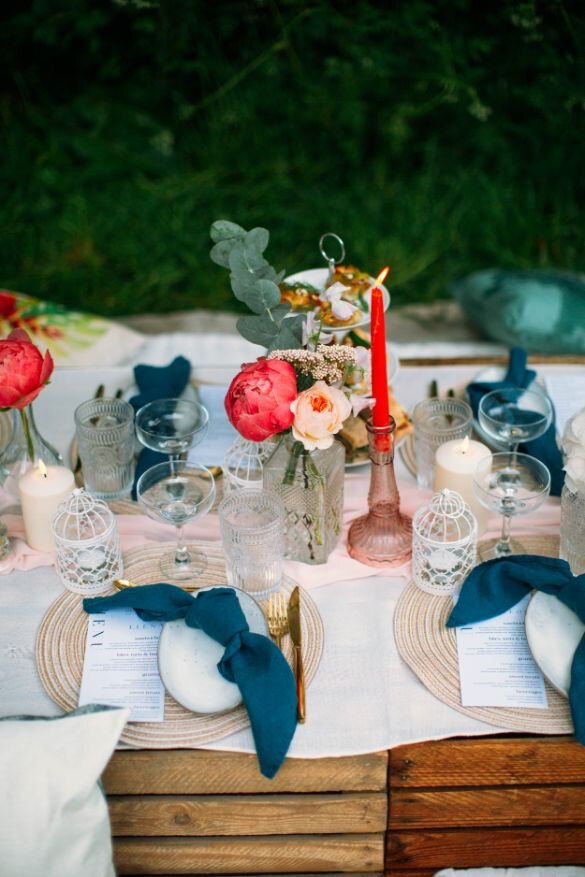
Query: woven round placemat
[430,650]
[60,648]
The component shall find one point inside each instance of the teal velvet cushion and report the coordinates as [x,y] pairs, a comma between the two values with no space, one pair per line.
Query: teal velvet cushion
[542,311]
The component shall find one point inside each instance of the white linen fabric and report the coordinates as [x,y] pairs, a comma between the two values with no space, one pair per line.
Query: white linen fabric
[54,818]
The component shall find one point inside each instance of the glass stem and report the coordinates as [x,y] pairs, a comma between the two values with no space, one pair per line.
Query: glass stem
[503,546]
[182,555]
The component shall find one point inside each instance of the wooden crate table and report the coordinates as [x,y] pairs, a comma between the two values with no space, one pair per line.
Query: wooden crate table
[467,802]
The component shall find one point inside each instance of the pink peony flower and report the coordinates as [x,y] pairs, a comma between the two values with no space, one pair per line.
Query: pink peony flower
[259,398]
[24,371]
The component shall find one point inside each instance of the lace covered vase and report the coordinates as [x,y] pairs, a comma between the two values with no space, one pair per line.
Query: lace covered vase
[310,483]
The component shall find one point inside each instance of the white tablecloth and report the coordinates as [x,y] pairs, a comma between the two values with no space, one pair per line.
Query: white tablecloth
[364,698]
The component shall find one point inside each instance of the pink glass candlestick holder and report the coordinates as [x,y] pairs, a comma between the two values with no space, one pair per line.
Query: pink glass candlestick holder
[383,536]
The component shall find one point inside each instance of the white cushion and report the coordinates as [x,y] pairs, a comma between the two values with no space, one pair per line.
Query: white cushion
[54,818]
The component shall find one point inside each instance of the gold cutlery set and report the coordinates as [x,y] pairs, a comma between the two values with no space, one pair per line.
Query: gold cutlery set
[282,620]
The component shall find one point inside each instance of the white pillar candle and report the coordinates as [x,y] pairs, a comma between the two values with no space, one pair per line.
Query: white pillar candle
[42,489]
[455,465]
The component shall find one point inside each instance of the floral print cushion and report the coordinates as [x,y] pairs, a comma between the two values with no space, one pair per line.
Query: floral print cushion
[75,339]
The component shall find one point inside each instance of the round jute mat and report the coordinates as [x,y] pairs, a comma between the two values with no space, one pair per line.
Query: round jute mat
[60,649]
[430,650]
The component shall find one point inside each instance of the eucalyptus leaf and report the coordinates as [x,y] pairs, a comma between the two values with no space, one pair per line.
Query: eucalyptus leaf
[224,230]
[238,260]
[280,311]
[254,256]
[220,253]
[263,296]
[259,330]
[286,338]
[258,239]
[242,283]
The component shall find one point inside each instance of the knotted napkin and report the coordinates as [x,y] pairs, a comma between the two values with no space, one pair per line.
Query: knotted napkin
[497,585]
[157,382]
[252,661]
[543,448]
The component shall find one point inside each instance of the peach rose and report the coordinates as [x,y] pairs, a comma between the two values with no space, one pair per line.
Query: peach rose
[319,413]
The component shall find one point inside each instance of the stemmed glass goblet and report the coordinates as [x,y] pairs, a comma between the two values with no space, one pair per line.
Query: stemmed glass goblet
[511,484]
[176,492]
[171,426]
[512,415]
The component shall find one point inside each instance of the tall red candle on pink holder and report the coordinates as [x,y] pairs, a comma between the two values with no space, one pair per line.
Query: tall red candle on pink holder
[379,367]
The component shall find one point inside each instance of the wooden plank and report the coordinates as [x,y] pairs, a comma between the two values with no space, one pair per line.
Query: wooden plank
[336,874]
[470,848]
[488,762]
[196,772]
[214,815]
[251,855]
[548,805]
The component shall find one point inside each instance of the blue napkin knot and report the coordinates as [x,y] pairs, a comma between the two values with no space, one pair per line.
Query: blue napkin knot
[545,447]
[495,586]
[250,660]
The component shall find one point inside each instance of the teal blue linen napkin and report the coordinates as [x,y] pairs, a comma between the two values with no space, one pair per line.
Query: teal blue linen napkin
[545,447]
[497,585]
[252,661]
[157,382]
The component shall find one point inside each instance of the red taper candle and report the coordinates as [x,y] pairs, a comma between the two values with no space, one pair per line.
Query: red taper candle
[381,411]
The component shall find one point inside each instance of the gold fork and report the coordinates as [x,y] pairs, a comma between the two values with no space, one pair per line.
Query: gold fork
[277,618]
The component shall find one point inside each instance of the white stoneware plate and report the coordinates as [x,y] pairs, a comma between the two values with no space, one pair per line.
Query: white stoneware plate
[188,658]
[553,632]
[317,277]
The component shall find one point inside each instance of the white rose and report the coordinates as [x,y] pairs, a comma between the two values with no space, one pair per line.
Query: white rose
[575,430]
[319,414]
[575,469]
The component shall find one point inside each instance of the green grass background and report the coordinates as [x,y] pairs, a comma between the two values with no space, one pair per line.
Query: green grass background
[439,137]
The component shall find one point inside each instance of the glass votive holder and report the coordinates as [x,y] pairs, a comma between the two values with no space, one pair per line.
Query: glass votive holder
[105,437]
[87,543]
[252,534]
[444,544]
[437,421]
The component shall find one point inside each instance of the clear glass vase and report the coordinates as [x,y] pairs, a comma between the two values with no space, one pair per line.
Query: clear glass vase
[573,529]
[25,448]
[310,484]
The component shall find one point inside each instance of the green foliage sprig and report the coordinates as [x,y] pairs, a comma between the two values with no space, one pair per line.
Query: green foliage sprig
[255,283]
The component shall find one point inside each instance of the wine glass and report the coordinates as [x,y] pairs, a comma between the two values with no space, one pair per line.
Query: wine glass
[511,484]
[176,492]
[171,426]
[512,415]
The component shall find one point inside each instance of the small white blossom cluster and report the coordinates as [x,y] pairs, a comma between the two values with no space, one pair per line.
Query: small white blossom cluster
[574,448]
[329,362]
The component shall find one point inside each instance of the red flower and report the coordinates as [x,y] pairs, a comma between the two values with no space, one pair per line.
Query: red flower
[24,371]
[259,397]
[7,303]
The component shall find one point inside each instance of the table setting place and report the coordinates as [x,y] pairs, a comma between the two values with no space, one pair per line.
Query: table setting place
[280,556]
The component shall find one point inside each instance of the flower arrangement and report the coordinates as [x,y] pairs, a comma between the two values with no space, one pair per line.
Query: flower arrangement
[24,371]
[300,390]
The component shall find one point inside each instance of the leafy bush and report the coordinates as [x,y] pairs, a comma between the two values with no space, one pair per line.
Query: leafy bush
[441,137]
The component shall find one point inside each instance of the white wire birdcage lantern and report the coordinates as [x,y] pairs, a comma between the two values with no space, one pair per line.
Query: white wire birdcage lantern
[243,464]
[444,541]
[88,545]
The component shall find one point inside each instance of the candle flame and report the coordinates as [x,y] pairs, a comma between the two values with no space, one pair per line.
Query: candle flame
[382,275]
[465,445]
[42,469]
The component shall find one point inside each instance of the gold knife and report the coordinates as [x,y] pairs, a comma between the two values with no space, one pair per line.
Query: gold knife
[294,628]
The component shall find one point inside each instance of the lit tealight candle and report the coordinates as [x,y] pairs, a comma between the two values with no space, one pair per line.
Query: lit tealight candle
[455,465]
[42,489]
